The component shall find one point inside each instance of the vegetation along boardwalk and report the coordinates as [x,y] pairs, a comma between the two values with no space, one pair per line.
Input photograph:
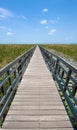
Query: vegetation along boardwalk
[37,104]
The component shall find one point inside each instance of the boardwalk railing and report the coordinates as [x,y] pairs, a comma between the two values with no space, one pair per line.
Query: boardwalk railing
[66,77]
[10,76]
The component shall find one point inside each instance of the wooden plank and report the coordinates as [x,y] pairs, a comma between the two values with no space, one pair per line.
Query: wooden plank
[35,124]
[24,107]
[37,112]
[37,118]
[21,125]
[37,104]
[41,129]
[55,124]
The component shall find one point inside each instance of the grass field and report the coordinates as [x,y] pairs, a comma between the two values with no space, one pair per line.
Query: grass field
[69,50]
[10,52]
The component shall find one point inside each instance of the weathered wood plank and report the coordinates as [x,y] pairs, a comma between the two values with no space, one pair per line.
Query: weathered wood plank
[37,112]
[37,118]
[55,124]
[21,125]
[35,124]
[41,129]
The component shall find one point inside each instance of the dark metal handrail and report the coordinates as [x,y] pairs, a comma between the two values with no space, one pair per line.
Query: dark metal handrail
[10,76]
[66,76]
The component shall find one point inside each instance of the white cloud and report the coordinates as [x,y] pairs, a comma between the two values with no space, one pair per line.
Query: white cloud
[9,33]
[43,21]
[45,10]
[4,13]
[2,16]
[58,18]
[3,27]
[24,17]
[49,27]
[52,31]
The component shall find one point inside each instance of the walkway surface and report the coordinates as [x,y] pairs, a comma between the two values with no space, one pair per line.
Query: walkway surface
[37,104]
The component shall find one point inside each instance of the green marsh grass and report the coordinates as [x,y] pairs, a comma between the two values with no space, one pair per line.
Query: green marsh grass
[69,50]
[8,52]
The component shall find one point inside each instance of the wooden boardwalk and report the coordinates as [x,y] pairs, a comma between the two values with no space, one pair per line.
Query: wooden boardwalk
[37,104]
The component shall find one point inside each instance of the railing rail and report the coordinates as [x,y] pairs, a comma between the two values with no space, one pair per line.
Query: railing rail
[10,76]
[66,76]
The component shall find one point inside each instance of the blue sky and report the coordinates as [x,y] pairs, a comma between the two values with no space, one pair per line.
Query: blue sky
[38,21]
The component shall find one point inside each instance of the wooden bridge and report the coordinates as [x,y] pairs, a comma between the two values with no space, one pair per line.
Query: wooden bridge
[37,104]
